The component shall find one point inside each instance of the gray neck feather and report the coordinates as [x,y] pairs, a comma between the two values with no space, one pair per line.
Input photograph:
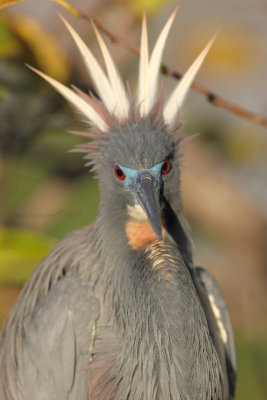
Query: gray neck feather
[166,350]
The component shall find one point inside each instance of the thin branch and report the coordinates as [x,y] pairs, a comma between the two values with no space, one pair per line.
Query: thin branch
[113,38]
[218,101]
[213,98]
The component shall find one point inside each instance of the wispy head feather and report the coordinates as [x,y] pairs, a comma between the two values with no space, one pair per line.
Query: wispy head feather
[155,60]
[143,70]
[115,107]
[100,80]
[76,101]
[122,108]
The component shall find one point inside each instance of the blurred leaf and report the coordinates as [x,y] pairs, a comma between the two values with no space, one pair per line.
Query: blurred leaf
[56,144]
[150,6]
[80,208]
[8,297]
[20,251]
[9,45]
[48,53]
[7,3]
[69,7]
[233,54]
[22,181]
[251,369]
[242,147]
[24,113]
[63,3]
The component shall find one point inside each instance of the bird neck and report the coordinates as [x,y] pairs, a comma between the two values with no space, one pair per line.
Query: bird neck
[159,322]
[135,259]
[131,249]
[159,327]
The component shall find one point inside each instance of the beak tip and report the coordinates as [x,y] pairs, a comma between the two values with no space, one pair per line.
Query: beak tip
[149,200]
[159,235]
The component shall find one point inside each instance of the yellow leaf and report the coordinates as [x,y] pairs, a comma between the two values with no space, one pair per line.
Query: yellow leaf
[151,6]
[68,7]
[49,55]
[9,44]
[234,52]
[7,3]
[20,251]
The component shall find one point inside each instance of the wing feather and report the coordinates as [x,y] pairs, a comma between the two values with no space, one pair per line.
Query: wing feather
[56,344]
[220,327]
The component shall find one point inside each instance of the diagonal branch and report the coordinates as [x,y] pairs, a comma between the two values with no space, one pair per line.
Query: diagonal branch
[212,97]
[218,101]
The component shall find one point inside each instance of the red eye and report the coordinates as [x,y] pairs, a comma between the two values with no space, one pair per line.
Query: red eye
[165,167]
[119,173]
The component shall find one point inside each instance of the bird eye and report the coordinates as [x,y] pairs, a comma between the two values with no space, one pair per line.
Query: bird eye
[165,167]
[119,173]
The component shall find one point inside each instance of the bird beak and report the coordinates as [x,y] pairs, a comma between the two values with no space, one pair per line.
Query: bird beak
[148,194]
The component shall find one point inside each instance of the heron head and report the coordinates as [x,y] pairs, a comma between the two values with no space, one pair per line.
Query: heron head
[140,169]
[130,147]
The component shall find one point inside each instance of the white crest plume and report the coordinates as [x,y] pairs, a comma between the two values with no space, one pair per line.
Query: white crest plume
[100,80]
[149,70]
[176,100]
[111,90]
[143,70]
[79,104]
[115,79]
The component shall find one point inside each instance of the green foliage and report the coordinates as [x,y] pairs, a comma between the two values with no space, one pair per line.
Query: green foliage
[8,3]
[252,356]
[63,3]
[9,45]
[22,181]
[79,210]
[20,251]
[150,6]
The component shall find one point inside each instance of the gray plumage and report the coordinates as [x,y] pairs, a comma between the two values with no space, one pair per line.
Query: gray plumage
[116,310]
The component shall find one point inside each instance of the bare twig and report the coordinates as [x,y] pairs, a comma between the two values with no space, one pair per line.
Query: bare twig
[218,101]
[213,98]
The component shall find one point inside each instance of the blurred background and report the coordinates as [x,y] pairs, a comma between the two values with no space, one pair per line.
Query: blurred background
[46,192]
